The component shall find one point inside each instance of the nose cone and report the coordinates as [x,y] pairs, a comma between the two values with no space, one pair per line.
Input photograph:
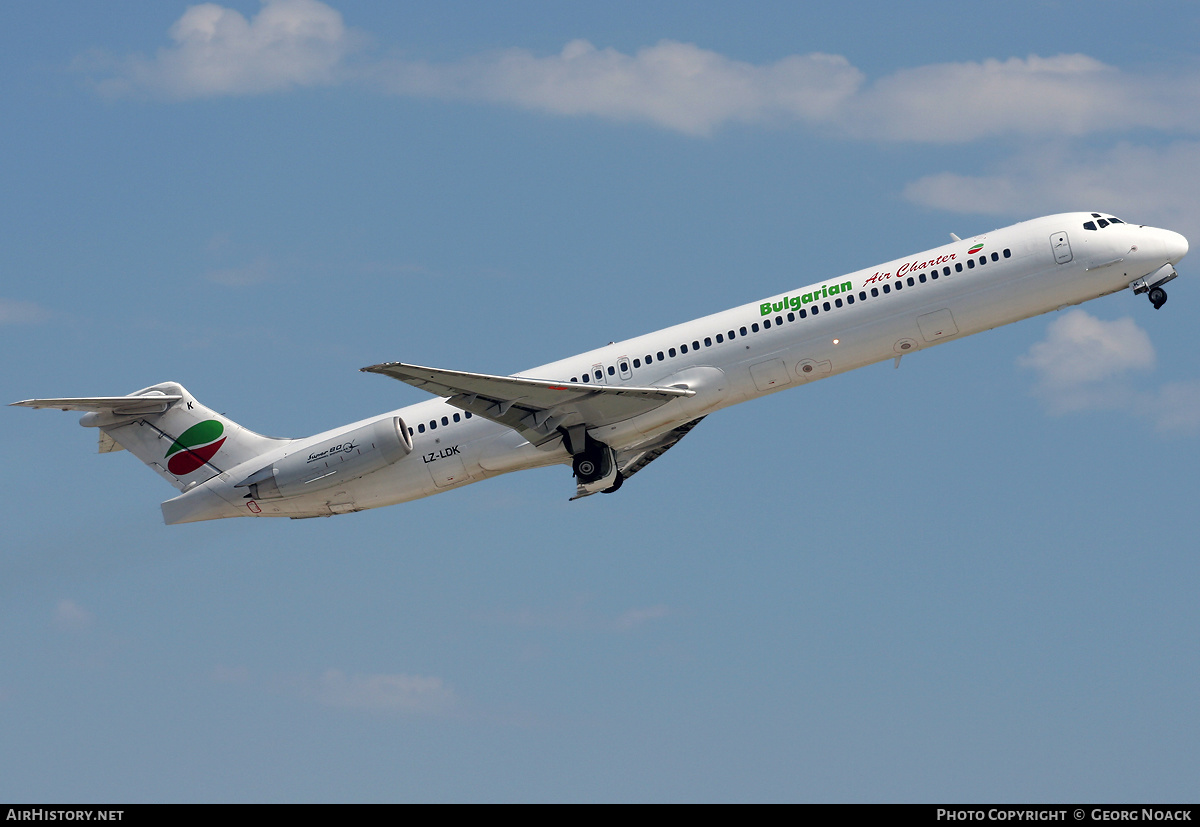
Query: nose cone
[1176,246]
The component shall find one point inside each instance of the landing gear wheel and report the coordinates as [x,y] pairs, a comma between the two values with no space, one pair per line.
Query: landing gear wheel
[586,468]
[1158,297]
[612,489]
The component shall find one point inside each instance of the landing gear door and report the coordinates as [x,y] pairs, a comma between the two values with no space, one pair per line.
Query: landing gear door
[1061,247]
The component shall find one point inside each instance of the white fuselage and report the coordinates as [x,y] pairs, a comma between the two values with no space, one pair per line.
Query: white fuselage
[817,331]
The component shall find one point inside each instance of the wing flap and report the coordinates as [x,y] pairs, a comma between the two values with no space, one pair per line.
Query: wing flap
[535,408]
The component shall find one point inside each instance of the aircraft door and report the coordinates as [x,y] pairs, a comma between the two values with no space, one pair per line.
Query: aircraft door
[1061,247]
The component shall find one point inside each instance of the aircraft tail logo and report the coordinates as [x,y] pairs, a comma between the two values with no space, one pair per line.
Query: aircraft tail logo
[194,447]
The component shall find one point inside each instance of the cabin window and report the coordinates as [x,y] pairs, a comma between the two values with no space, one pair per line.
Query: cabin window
[599,374]
[585,379]
[707,342]
[803,313]
[970,263]
[458,417]
[683,348]
[791,317]
[754,327]
[899,284]
[671,352]
[1007,253]
[661,357]
[421,428]
[910,280]
[445,420]
[862,295]
[612,371]
[433,424]
[468,414]
[958,267]
[695,345]
[767,324]
[945,271]
[887,288]
[624,367]
[825,306]
[649,359]
[995,256]
[720,338]
[875,292]
[741,330]
[410,430]
[637,363]
[815,310]
[921,278]
[983,259]
[837,303]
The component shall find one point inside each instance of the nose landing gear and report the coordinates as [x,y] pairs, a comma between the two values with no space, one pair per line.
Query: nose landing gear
[1158,297]
[1152,285]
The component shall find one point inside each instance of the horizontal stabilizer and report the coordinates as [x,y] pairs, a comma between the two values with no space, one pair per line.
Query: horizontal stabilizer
[165,427]
[120,405]
[535,408]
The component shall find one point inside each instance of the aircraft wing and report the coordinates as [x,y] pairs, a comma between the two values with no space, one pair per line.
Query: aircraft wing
[535,408]
[151,403]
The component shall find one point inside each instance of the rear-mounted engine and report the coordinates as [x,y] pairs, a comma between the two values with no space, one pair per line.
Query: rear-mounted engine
[340,459]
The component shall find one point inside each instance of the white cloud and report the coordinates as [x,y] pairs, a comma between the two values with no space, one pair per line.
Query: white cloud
[636,617]
[671,84]
[69,616]
[1063,95]
[1080,349]
[385,693]
[1152,185]
[1174,408]
[1086,364]
[577,614]
[247,275]
[217,51]
[674,85]
[16,312]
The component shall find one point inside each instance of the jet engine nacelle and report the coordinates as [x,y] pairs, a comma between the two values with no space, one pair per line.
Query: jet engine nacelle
[341,458]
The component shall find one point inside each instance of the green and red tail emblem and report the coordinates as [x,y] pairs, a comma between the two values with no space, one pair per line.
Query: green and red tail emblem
[195,446]
[975,249]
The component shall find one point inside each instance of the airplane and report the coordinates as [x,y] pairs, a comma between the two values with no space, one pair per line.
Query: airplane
[612,411]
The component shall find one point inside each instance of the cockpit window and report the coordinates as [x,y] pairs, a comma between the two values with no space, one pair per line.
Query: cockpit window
[1089,225]
[1116,221]
[1102,223]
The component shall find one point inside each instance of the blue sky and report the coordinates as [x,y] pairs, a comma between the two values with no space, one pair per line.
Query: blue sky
[972,578]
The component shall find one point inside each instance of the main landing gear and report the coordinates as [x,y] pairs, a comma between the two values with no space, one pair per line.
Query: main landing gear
[595,465]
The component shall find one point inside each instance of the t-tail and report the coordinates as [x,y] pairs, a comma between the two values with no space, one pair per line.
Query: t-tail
[165,427]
